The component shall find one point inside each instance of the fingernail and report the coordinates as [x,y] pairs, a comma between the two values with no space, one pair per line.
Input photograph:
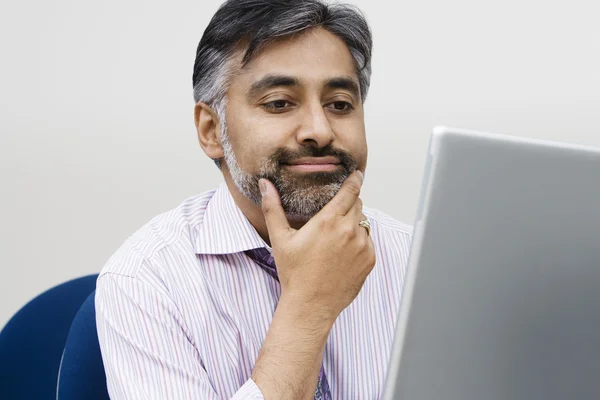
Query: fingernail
[362,177]
[263,187]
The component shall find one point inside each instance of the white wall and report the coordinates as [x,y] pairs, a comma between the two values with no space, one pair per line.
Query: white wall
[96,111]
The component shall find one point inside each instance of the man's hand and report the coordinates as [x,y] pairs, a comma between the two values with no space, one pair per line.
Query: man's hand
[322,268]
[325,263]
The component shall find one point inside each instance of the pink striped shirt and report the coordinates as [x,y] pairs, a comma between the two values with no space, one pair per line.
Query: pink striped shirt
[182,312]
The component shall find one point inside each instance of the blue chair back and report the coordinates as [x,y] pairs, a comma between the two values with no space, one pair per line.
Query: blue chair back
[82,371]
[32,342]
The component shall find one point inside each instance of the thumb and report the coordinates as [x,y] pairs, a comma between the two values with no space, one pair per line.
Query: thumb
[277,223]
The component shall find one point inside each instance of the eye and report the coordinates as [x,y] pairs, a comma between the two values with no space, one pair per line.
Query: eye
[341,107]
[277,106]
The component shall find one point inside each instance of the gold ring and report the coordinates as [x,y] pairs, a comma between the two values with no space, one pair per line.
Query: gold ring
[367,225]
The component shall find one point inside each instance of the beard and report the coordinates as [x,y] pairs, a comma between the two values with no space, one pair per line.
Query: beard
[302,194]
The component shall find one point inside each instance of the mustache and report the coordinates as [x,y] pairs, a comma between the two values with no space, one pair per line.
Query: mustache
[284,155]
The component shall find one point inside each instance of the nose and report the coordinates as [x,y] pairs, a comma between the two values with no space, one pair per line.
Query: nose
[315,129]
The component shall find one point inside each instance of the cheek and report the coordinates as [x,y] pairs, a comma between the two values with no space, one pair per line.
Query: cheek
[251,154]
[244,140]
[259,142]
[361,155]
[352,137]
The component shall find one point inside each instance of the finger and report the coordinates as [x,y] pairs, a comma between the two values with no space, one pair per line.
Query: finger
[277,223]
[346,197]
[356,213]
[362,228]
[371,249]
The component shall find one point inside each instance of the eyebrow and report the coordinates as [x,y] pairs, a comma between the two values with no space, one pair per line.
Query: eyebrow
[344,82]
[273,81]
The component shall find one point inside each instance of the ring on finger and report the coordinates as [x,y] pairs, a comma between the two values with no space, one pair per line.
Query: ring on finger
[367,225]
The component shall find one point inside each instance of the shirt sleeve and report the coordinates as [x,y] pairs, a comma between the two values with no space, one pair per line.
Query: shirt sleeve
[146,348]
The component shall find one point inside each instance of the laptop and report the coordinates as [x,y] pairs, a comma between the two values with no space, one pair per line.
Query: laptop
[502,292]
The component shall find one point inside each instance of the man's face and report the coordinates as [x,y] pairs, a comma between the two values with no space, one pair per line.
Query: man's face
[294,116]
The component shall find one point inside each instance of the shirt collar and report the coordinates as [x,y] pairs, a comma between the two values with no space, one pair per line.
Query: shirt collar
[225,229]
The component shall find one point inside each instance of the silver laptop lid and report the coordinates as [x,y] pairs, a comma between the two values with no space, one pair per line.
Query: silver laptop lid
[502,294]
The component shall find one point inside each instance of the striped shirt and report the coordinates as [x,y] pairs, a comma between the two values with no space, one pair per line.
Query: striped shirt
[182,311]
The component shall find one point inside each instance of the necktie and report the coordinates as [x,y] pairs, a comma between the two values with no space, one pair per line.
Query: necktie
[263,258]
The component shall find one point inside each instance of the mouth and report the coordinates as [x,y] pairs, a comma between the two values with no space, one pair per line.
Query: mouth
[313,164]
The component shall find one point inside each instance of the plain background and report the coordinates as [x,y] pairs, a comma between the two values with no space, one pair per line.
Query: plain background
[96,126]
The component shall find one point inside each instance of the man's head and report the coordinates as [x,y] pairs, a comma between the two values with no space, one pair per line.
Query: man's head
[279,85]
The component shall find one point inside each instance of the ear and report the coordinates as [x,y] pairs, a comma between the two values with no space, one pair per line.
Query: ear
[209,130]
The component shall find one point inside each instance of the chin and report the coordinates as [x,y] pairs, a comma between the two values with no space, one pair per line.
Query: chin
[304,203]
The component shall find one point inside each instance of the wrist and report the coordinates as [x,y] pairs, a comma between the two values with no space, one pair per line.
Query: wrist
[304,314]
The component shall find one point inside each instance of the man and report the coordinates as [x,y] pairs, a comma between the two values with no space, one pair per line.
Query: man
[278,284]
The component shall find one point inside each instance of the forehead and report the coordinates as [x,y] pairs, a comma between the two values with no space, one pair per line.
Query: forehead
[312,57]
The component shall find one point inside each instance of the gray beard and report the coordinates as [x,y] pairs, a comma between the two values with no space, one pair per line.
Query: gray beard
[302,195]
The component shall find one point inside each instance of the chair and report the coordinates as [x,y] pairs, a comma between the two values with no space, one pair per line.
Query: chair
[81,373]
[32,342]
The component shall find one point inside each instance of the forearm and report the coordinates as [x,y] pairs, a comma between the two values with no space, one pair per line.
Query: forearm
[289,361]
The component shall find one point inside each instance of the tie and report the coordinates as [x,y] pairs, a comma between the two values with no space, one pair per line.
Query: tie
[263,258]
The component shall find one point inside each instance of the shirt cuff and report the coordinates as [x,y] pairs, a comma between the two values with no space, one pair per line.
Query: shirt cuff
[248,392]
